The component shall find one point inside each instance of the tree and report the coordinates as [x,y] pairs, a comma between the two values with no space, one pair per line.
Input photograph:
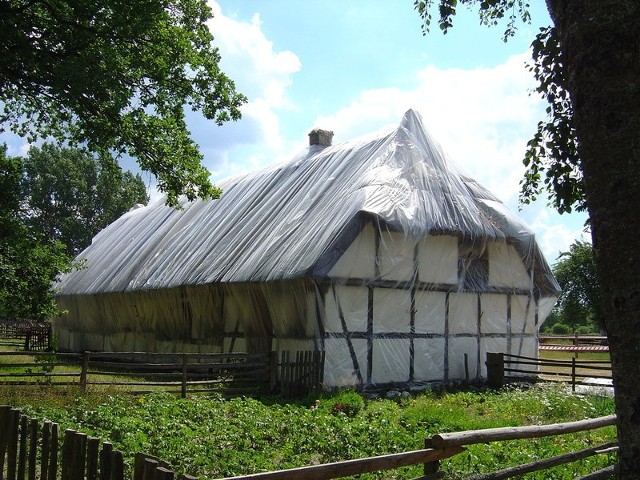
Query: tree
[69,195]
[579,303]
[116,76]
[589,66]
[28,262]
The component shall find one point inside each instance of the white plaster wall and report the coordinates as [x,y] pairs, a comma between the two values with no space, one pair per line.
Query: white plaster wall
[457,348]
[395,257]
[429,359]
[438,259]
[463,313]
[390,360]
[431,309]
[358,261]
[494,313]
[506,268]
[391,310]
[338,366]
[354,303]
[523,310]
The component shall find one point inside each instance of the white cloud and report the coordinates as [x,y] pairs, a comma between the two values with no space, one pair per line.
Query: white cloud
[482,118]
[259,71]
[554,233]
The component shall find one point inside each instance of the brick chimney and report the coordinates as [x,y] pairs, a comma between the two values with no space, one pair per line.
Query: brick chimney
[320,137]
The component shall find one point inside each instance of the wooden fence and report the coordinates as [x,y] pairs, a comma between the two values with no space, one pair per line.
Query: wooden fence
[141,372]
[30,450]
[447,445]
[503,368]
[301,376]
[574,343]
[296,374]
[28,335]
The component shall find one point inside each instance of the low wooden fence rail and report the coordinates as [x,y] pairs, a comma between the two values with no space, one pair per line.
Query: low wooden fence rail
[31,450]
[503,368]
[141,372]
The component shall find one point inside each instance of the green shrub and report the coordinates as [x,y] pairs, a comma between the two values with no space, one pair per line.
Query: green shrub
[561,329]
[348,402]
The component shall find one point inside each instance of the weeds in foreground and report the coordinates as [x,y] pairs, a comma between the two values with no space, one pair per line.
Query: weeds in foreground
[213,437]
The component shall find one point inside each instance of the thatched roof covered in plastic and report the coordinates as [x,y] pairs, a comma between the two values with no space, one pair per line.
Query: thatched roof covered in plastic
[283,222]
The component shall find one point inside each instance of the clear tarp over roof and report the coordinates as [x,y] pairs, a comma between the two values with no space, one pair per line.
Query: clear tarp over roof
[282,222]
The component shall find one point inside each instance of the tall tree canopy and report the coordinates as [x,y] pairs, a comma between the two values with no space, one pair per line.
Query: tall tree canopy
[116,75]
[586,155]
[579,303]
[68,195]
[29,263]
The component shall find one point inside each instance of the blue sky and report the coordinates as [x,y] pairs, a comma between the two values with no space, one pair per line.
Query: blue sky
[355,67]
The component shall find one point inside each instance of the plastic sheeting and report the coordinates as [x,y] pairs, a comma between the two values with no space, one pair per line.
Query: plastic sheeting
[377,251]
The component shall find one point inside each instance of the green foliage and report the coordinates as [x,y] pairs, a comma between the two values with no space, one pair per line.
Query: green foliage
[347,402]
[69,195]
[29,263]
[553,150]
[214,437]
[579,304]
[551,158]
[561,329]
[116,75]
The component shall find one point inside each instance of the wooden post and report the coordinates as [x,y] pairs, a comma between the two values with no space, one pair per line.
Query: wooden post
[49,334]
[105,461]
[273,370]
[5,426]
[466,368]
[183,391]
[22,456]
[46,449]
[85,370]
[431,469]
[117,466]
[33,448]
[149,469]
[12,448]
[573,374]
[93,445]
[52,473]
[67,454]
[164,474]
[495,370]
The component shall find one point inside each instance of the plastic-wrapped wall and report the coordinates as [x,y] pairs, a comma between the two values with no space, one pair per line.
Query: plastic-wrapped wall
[376,251]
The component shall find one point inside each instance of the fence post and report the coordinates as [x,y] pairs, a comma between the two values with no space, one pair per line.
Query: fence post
[33,446]
[495,370]
[273,370]
[22,455]
[85,369]
[5,427]
[573,374]
[183,391]
[431,469]
[52,471]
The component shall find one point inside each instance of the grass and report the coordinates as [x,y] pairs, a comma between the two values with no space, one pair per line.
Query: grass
[213,437]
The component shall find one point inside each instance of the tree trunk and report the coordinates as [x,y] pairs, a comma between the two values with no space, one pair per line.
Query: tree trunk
[600,43]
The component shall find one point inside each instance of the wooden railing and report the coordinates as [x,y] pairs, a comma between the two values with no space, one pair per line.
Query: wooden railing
[295,374]
[574,343]
[141,372]
[28,335]
[503,368]
[31,450]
